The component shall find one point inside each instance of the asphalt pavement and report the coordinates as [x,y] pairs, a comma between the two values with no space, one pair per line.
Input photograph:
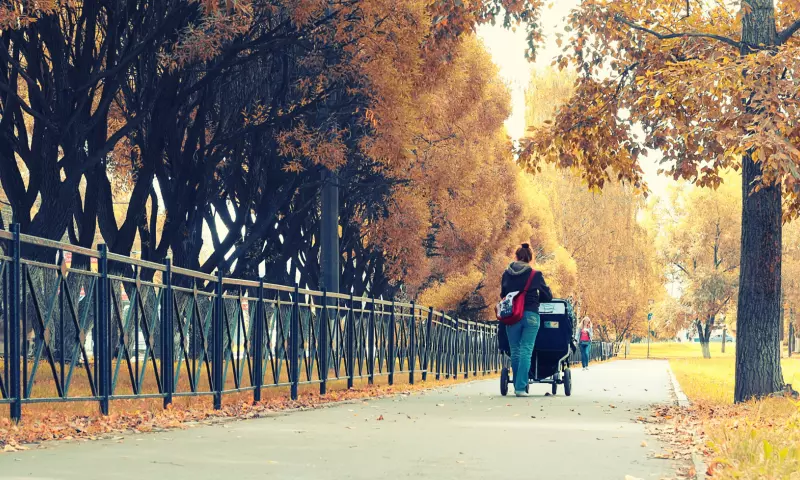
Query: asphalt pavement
[464,432]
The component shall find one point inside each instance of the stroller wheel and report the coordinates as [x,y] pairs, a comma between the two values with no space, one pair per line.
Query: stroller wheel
[527,389]
[504,382]
[555,388]
[568,383]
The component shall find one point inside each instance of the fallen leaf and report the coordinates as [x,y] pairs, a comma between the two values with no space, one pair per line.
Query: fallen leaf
[380,418]
[644,444]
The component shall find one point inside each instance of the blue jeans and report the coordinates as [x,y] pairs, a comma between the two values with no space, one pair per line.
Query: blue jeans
[521,339]
[586,349]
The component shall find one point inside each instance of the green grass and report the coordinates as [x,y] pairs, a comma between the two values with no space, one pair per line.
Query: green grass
[713,379]
[753,440]
[665,350]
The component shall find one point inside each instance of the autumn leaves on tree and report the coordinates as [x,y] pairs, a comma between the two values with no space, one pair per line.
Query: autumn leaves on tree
[713,86]
[199,130]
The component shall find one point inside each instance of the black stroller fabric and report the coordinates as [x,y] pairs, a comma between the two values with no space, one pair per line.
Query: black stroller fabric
[554,340]
[502,339]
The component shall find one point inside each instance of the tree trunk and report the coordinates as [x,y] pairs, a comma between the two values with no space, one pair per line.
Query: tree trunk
[706,349]
[758,367]
[705,335]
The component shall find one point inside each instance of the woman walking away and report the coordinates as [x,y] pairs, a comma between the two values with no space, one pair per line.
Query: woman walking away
[522,335]
[584,337]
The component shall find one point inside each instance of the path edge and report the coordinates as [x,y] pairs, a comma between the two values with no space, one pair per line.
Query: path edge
[683,402]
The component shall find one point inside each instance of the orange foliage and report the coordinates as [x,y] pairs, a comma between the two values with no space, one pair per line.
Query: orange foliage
[466,206]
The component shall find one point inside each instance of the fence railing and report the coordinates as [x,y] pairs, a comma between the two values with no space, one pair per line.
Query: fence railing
[599,352]
[85,325]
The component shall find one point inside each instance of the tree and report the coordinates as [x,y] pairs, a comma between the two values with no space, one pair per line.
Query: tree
[712,88]
[791,276]
[218,118]
[454,224]
[702,248]
[670,317]
[615,266]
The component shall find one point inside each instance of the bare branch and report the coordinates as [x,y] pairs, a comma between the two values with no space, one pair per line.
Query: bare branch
[668,36]
[787,33]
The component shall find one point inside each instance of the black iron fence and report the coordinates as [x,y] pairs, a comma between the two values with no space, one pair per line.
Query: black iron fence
[85,325]
[598,352]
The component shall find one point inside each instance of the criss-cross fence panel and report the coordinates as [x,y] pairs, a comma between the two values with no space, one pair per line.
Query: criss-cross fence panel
[87,325]
[192,303]
[141,342]
[57,309]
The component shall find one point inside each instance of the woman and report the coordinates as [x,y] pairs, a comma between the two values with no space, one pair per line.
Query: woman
[522,335]
[584,337]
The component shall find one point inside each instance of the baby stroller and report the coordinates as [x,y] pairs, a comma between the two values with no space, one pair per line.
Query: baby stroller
[554,343]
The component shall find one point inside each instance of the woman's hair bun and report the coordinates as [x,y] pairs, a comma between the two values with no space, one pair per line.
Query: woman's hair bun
[525,245]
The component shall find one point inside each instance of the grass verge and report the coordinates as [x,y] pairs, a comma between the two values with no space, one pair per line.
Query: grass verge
[755,440]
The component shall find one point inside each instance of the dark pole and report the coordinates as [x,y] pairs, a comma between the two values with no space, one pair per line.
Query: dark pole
[103,327]
[14,333]
[258,344]
[217,342]
[329,261]
[167,337]
[329,236]
[724,335]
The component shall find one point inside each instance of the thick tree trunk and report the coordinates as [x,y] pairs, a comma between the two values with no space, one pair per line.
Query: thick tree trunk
[758,367]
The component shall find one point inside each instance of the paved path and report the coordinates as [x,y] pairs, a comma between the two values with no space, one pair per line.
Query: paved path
[465,432]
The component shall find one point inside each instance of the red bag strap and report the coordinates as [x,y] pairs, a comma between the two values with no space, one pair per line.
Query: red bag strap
[530,279]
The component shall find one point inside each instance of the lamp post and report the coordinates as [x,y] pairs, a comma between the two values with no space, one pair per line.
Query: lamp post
[649,318]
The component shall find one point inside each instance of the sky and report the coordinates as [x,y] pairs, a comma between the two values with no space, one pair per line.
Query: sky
[508,53]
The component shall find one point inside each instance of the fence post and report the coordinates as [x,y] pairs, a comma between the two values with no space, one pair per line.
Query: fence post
[371,343]
[168,337]
[258,345]
[216,367]
[102,340]
[467,348]
[428,345]
[481,348]
[294,332]
[392,357]
[454,352]
[322,348]
[351,331]
[15,367]
[412,344]
[440,347]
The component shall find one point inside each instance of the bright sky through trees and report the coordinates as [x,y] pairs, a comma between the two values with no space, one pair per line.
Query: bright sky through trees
[508,52]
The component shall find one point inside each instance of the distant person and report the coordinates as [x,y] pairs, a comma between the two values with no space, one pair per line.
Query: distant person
[522,335]
[584,337]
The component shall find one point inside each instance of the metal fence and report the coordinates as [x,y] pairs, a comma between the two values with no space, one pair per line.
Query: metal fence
[85,325]
[599,352]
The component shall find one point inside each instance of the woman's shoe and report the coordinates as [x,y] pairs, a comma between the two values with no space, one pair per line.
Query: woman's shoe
[521,394]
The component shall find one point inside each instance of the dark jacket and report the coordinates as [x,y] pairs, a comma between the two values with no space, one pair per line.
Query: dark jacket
[514,279]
